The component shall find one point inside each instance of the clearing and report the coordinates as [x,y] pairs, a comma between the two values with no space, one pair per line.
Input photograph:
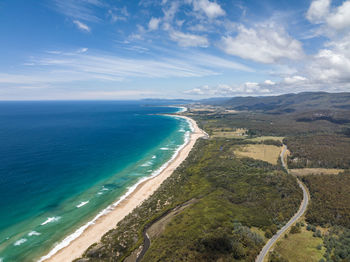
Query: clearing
[229,133]
[300,247]
[315,171]
[268,153]
[265,138]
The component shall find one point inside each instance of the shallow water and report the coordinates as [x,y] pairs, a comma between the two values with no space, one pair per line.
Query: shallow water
[61,163]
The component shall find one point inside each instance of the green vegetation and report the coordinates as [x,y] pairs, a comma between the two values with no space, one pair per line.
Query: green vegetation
[295,230]
[315,171]
[330,196]
[238,202]
[267,138]
[323,150]
[337,244]
[329,208]
[289,103]
[232,196]
[260,124]
[299,246]
[286,115]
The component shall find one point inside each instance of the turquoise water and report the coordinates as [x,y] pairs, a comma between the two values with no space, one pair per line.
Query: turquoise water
[63,163]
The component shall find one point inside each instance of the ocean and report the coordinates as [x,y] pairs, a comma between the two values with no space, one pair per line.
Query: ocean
[62,164]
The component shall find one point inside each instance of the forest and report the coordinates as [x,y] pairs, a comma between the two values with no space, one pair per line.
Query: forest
[238,202]
[319,150]
[330,196]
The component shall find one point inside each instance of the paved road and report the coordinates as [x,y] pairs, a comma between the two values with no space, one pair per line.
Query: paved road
[300,212]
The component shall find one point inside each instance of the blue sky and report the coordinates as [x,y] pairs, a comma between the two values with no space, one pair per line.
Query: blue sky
[114,49]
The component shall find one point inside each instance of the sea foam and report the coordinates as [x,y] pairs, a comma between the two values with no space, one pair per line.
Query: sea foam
[149,163]
[65,242]
[50,219]
[82,203]
[33,233]
[20,242]
[182,109]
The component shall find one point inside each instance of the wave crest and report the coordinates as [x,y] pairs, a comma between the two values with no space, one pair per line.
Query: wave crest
[20,242]
[50,220]
[33,233]
[82,203]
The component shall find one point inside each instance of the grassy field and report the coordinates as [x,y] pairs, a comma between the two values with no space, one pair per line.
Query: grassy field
[300,247]
[315,171]
[268,153]
[266,138]
[224,133]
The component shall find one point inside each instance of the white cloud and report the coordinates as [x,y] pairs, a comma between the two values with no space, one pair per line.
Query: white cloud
[118,94]
[82,50]
[169,12]
[179,23]
[198,28]
[188,40]
[80,65]
[113,68]
[153,24]
[318,10]
[266,43]
[136,36]
[251,84]
[210,9]
[79,10]
[245,89]
[195,91]
[294,79]
[81,26]
[269,82]
[118,14]
[340,19]
[58,92]
[332,64]
[217,62]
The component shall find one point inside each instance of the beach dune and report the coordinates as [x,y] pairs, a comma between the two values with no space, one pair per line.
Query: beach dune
[103,224]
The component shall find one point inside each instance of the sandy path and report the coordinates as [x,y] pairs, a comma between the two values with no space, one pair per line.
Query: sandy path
[107,222]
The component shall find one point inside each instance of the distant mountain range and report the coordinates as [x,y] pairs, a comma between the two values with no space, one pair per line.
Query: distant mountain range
[287,103]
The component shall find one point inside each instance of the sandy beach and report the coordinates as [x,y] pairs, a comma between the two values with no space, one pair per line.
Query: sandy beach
[109,221]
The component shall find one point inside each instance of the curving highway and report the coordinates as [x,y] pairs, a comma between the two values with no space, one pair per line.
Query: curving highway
[301,211]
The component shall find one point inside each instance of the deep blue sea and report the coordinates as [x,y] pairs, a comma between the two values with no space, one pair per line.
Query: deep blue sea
[61,163]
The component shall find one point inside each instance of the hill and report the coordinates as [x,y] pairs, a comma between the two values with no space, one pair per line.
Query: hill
[289,103]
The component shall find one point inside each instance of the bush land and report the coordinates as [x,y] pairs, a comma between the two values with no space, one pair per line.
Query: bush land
[233,195]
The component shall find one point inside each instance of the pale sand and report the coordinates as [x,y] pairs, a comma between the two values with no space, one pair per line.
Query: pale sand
[109,221]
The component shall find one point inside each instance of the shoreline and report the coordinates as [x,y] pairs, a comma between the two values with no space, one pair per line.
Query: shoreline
[70,249]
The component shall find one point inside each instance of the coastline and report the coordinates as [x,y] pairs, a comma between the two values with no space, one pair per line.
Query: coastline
[70,249]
